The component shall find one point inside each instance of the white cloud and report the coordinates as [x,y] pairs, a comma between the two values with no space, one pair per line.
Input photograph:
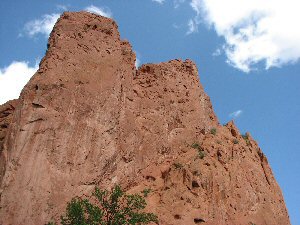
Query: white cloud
[217,52]
[254,31]
[13,78]
[137,62]
[99,11]
[235,114]
[176,26]
[41,26]
[158,1]
[45,24]
[177,3]
[137,59]
[62,7]
[193,26]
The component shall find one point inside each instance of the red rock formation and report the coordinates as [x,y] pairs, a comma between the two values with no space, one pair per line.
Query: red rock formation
[6,114]
[88,117]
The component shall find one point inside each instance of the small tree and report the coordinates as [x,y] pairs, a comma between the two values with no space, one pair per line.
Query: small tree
[114,208]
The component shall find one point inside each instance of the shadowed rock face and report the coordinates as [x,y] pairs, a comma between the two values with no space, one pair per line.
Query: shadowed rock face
[88,117]
[6,114]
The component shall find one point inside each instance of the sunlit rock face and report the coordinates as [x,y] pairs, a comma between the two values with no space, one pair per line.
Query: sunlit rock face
[89,118]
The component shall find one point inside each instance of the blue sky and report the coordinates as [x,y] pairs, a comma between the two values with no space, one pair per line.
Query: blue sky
[248,60]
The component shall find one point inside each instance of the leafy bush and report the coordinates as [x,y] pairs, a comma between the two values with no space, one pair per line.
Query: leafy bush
[146,192]
[178,165]
[246,138]
[195,145]
[235,141]
[114,208]
[201,153]
[213,131]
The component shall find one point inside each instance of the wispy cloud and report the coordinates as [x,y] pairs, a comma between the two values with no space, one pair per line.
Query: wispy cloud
[236,114]
[177,3]
[176,26]
[217,52]
[259,31]
[159,1]
[192,26]
[43,25]
[137,59]
[13,78]
[62,7]
[137,62]
[102,11]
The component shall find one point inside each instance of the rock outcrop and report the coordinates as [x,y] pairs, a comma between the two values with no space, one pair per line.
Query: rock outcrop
[88,117]
[6,114]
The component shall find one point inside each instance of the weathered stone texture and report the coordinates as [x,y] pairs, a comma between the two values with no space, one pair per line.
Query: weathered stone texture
[89,117]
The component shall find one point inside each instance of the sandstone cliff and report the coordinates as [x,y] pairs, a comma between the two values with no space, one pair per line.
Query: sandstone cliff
[89,117]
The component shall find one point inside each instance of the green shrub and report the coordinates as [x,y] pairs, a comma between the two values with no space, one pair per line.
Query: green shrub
[195,145]
[114,208]
[201,153]
[235,141]
[146,191]
[246,138]
[178,165]
[213,131]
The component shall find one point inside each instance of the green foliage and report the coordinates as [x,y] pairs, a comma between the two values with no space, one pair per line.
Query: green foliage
[246,138]
[213,131]
[112,208]
[195,145]
[178,165]
[201,153]
[146,192]
[235,141]
[81,212]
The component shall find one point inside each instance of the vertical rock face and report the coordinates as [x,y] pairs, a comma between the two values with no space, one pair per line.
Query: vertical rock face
[88,118]
[6,114]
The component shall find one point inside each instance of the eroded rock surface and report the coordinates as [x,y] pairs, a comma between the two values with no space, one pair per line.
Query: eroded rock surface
[6,115]
[88,118]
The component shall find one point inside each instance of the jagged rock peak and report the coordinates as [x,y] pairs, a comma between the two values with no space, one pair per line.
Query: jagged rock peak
[89,118]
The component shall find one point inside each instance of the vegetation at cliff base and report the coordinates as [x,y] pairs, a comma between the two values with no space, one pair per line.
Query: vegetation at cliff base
[111,208]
